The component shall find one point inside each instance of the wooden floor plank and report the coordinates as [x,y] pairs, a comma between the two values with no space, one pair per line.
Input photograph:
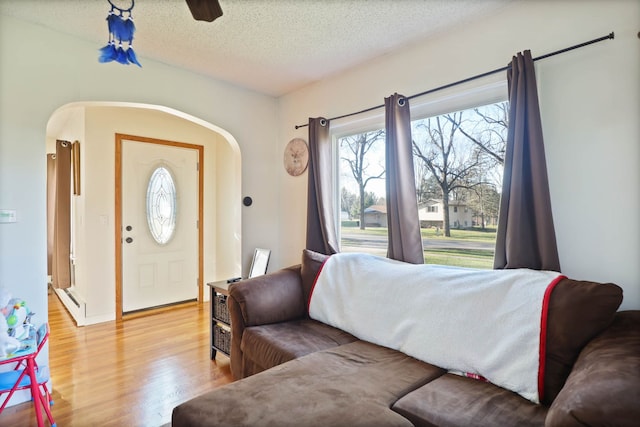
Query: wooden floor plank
[131,373]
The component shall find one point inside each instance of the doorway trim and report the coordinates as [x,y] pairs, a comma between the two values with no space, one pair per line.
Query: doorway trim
[118,210]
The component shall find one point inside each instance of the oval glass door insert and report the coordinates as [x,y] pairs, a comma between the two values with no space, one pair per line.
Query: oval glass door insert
[161,205]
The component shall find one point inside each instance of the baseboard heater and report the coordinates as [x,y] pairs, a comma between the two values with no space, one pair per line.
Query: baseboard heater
[71,297]
[74,304]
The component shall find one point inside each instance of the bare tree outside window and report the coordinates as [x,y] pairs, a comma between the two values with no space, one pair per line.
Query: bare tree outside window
[361,154]
[460,158]
[448,157]
[487,129]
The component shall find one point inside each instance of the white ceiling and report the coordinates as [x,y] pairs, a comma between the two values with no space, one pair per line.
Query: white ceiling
[271,46]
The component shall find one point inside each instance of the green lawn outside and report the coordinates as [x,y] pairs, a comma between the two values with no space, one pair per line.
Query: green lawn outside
[475,234]
[469,234]
[460,257]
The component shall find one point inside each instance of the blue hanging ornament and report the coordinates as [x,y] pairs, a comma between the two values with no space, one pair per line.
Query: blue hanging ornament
[121,30]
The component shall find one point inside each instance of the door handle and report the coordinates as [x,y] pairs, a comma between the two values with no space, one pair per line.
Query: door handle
[128,240]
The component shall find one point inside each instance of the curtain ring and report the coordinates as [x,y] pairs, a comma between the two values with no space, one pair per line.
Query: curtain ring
[323,122]
[402,101]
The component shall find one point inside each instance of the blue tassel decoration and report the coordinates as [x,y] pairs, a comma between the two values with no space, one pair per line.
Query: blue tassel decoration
[118,28]
[112,22]
[131,55]
[121,55]
[121,30]
[126,30]
[108,53]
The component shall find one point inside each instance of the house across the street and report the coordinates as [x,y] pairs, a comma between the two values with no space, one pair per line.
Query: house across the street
[431,214]
[375,216]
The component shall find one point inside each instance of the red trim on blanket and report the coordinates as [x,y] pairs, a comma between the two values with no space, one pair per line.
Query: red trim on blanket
[543,334]
[475,377]
[316,281]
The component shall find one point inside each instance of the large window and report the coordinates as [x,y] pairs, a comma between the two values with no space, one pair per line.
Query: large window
[458,159]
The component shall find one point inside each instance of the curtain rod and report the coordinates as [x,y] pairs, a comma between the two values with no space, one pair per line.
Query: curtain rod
[609,36]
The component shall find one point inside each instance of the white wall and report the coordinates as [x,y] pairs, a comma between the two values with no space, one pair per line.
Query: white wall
[589,105]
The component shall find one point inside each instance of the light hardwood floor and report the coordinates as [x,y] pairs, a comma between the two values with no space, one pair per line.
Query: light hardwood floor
[130,373]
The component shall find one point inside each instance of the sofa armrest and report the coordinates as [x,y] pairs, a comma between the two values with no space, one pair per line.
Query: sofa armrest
[272,298]
[604,385]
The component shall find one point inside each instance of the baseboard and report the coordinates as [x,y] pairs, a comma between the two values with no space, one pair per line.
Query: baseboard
[92,320]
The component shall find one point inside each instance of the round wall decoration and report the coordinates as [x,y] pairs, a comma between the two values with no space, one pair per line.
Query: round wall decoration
[296,156]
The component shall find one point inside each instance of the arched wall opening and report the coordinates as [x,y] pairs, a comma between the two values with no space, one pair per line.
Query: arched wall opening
[92,297]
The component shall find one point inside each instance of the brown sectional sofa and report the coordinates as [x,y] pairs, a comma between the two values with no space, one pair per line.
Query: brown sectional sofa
[295,371]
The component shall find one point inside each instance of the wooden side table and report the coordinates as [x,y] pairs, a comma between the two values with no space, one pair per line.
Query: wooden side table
[220,330]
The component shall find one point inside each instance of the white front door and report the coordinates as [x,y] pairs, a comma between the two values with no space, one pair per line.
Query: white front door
[159,224]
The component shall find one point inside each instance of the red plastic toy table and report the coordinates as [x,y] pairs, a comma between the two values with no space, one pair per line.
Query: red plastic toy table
[27,375]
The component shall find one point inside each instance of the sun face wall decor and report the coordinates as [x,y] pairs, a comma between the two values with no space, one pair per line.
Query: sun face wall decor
[296,156]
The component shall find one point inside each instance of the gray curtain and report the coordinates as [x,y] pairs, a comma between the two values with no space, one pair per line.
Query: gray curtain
[61,272]
[405,240]
[322,235]
[526,235]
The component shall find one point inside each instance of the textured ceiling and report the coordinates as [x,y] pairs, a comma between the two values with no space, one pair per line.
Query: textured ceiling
[271,46]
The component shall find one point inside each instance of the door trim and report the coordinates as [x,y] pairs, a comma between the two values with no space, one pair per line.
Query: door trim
[118,210]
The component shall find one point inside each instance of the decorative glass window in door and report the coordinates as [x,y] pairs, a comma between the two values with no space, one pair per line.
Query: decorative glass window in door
[161,205]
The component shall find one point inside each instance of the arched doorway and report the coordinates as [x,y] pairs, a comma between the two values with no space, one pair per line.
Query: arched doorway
[92,297]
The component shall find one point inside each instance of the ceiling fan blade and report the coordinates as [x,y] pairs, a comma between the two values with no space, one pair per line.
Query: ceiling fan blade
[205,10]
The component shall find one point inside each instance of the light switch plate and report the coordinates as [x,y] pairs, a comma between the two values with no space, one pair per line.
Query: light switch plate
[8,215]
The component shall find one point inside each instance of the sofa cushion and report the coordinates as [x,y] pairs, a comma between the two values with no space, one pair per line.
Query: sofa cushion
[271,345]
[604,386]
[351,385]
[311,264]
[578,311]
[452,400]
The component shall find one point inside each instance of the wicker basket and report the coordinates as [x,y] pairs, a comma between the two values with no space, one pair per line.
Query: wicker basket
[222,339]
[220,309]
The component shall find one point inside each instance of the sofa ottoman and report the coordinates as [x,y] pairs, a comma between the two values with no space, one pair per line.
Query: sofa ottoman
[351,385]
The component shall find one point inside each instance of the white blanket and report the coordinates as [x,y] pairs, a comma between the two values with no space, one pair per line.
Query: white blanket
[489,323]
